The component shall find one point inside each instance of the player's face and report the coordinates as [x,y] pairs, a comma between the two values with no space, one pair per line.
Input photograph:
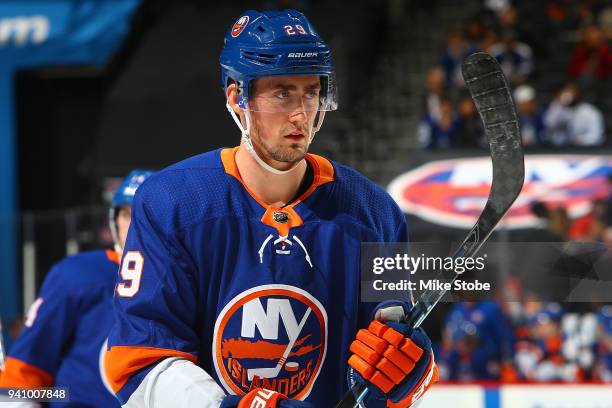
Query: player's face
[124,217]
[283,111]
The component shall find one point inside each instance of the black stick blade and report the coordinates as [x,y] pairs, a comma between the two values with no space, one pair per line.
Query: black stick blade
[491,94]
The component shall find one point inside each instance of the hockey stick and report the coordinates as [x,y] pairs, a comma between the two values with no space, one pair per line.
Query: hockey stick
[271,372]
[491,94]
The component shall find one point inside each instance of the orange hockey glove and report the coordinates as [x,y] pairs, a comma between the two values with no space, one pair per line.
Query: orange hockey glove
[395,362]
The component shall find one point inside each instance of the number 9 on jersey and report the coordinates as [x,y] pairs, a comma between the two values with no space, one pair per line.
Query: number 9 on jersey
[131,273]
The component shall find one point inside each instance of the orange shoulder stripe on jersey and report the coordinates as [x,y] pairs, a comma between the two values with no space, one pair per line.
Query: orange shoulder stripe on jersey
[323,174]
[19,374]
[121,362]
[228,158]
[112,256]
[322,167]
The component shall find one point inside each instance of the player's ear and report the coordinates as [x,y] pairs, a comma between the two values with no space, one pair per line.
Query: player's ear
[231,92]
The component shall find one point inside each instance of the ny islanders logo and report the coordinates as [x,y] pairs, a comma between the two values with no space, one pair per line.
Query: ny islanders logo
[270,336]
[239,25]
[454,192]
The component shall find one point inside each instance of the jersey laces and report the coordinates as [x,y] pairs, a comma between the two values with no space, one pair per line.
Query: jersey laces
[283,251]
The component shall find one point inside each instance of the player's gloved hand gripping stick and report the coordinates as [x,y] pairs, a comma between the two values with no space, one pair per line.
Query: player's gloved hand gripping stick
[394,360]
[491,94]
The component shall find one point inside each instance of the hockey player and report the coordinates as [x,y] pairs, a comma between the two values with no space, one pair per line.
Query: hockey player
[240,280]
[477,339]
[66,327]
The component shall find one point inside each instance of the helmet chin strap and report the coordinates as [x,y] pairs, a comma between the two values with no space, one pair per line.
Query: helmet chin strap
[248,143]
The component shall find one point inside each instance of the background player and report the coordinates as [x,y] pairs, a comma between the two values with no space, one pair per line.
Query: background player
[62,341]
[241,269]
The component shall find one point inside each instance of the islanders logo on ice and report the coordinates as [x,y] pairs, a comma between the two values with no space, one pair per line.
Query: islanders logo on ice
[454,192]
[270,336]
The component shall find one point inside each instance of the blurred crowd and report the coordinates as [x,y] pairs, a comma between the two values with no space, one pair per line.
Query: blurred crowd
[572,117]
[534,340]
[530,341]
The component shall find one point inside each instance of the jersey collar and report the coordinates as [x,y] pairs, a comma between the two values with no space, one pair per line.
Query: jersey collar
[285,218]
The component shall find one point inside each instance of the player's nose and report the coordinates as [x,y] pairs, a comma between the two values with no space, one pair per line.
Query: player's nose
[298,115]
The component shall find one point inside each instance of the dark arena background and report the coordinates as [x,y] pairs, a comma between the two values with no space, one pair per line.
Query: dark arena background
[91,89]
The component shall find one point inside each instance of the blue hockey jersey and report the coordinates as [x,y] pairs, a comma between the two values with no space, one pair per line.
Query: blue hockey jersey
[491,337]
[253,294]
[62,342]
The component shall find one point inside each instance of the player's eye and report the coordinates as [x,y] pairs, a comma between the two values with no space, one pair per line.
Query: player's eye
[312,94]
[282,95]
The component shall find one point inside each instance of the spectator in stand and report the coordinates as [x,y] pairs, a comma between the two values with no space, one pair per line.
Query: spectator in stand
[471,131]
[603,368]
[579,338]
[556,12]
[591,226]
[507,20]
[435,84]
[559,222]
[571,121]
[457,49]
[489,40]
[510,20]
[442,132]
[555,345]
[538,356]
[568,14]
[607,235]
[475,32]
[542,230]
[508,17]
[540,211]
[515,57]
[591,59]
[605,22]
[496,6]
[531,119]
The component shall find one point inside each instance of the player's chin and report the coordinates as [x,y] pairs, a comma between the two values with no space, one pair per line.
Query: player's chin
[292,153]
[296,145]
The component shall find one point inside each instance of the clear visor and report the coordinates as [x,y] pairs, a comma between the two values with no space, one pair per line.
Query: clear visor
[292,97]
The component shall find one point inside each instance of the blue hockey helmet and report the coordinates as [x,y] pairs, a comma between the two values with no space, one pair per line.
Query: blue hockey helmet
[124,196]
[125,193]
[277,43]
